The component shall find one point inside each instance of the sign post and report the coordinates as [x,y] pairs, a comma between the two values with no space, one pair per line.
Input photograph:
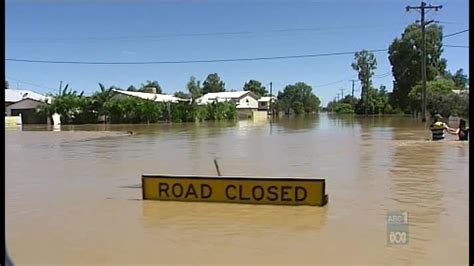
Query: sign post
[250,190]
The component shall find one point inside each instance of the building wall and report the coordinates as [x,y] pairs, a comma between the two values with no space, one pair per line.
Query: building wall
[24,104]
[12,121]
[263,105]
[27,109]
[244,113]
[248,102]
[259,115]
[29,116]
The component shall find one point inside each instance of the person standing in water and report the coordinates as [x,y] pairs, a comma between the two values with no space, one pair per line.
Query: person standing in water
[438,127]
[462,132]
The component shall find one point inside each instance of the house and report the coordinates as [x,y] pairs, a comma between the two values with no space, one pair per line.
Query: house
[244,100]
[461,91]
[264,102]
[25,102]
[148,96]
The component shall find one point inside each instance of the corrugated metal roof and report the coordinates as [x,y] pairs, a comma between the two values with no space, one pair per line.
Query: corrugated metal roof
[266,99]
[151,96]
[221,96]
[461,91]
[14,96]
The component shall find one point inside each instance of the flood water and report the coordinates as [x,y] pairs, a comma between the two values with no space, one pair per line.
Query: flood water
[72,196]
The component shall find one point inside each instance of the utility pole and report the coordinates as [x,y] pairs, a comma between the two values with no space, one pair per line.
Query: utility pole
[60,87]
[271,98]
[423,23]
[342,93]
[367,91]
[352,87]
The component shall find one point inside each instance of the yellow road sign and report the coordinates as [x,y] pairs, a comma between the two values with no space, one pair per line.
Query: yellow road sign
[253,190]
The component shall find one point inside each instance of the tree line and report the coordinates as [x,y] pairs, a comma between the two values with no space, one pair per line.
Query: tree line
[102,106]
[447,93]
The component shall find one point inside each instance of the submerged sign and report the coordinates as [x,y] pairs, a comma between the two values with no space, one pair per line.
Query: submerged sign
[253,190]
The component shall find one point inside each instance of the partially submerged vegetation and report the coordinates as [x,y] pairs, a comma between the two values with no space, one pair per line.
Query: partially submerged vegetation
[101,106]
[76,108]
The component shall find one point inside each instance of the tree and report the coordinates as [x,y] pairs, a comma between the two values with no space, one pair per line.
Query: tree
[299,98]
[365,64]
[131,88]
[255,87]
[441,98]
[151,84]
[213,84]
[194,88]
[100,99]
[345,105]
[182,95]
[349,100]
[134,110]
[460,79]
[74,108]
[7,86]
[383,101]
[405,58]
[344,108]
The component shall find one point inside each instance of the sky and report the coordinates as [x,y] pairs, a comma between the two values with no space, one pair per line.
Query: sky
[181,30]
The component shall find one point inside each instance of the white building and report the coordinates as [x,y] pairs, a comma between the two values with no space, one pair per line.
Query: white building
[242,99]
[461,91]
[264,102]
[25,102]
[13,96]
[148,96]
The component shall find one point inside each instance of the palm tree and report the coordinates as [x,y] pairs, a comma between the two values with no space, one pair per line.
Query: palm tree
[101,98]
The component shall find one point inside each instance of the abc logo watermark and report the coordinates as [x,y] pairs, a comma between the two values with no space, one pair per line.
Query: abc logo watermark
[397,228]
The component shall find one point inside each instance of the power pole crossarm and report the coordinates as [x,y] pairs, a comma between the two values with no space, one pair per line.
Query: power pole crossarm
[423,23]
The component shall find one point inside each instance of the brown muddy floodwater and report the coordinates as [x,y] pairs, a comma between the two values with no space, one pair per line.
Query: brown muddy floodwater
[71,195]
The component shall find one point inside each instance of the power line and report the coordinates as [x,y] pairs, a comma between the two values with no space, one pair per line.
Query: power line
[351,79]
[456,46]
[30,83]
[205,34]
[455,33]
[383,75]
[332,83]
[186,61]
[451,22]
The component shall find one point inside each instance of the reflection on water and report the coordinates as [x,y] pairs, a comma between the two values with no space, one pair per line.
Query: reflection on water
[76,189]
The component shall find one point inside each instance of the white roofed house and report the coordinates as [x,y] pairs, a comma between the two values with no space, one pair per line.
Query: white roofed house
[148,96]
[25,103]
[264,102]
[245,100]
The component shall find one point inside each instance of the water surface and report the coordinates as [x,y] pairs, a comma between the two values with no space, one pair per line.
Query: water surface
[71,195]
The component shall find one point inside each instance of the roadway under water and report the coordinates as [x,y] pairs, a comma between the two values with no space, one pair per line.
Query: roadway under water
[72,196]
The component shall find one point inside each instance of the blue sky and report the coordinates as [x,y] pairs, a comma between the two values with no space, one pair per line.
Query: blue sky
[145,30]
